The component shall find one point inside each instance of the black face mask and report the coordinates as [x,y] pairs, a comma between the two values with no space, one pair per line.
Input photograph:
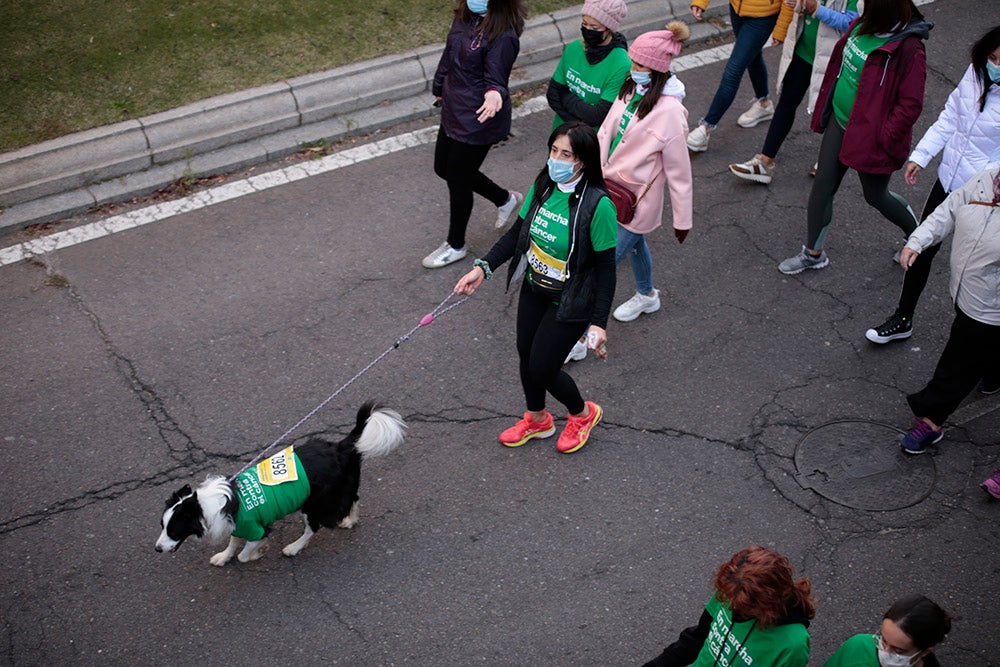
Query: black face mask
[592,38]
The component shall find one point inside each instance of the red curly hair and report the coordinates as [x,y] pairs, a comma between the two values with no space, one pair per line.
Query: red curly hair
[757,583]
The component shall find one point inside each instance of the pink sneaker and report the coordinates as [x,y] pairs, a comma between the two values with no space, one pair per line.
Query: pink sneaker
[526,429]
[577,430]
[992,485]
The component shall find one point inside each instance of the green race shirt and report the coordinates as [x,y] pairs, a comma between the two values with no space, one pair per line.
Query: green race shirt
[856,52]
[591,83]
[805,47]
[746,644]
[272,489]
[549,232]
[858,651]
[627,117]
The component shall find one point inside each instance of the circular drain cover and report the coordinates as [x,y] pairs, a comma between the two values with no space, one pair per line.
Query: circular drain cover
[859,464]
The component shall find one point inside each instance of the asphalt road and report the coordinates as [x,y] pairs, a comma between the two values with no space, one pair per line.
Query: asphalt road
[749,409]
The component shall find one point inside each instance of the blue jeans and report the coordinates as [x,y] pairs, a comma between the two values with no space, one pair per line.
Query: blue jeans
[751,36]
[634,245]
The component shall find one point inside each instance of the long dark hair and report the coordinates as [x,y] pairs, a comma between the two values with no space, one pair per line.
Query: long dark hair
[586,148]
[921,619]
[881,16]
[500,16]
[981,51]
[652,96]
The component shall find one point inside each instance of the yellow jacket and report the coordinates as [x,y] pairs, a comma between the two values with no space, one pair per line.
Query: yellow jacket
[750,9]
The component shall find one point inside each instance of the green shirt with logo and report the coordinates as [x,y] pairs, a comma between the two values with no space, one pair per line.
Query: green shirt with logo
[746,644]
[805,47]
[274,488]
[591,83]
[856,52]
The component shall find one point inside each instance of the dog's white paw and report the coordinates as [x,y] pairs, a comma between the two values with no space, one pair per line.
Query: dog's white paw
[255,554]
[220,558]
[347,522]
[292,549]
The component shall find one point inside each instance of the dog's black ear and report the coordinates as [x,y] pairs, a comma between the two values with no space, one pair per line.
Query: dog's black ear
[178,494]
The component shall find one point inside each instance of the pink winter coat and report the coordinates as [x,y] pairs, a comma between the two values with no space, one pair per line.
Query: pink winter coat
[654,147]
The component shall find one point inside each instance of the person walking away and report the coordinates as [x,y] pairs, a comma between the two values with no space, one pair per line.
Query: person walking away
[563,243]
[643,147]
[972,353]
[471,84]
[910,630]
[591,69]
[752,21]
[967,134]
[812,28]
[872,94]
[758,615]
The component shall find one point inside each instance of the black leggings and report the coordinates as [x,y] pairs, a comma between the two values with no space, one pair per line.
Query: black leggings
[828,178]
[916,277]
[971,353]
[793,88]
[458,163]
[542,346]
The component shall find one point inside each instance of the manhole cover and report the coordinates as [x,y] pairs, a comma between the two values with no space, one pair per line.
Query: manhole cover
[859,464]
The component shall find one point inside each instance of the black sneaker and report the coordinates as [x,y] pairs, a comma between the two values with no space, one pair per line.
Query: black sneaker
[896,327]
[988,387]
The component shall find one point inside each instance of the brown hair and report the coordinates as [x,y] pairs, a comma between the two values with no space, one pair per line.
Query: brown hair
[757,583]
[500,15]
[882,16]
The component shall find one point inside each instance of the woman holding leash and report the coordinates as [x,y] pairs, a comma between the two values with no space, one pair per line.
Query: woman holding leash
[643,146]
[563,242]
[471,86]
[968,131]
[871,96]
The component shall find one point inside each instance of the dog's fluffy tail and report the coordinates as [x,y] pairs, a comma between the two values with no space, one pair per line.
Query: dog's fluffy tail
[379,430]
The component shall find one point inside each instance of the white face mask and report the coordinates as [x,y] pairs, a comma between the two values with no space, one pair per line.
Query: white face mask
[888,659]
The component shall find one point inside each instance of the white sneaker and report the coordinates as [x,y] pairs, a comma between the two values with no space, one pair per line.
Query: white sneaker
[578,353]
[752,170]
[698,139]
[443,256]
[758,112]
[637,305]
[512,204]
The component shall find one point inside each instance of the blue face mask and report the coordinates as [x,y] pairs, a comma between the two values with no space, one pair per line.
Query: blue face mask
[993,71]
[641,78]
[560,171]
[477,6]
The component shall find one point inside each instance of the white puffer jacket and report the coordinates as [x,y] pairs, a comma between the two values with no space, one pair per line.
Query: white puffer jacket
[970,138]
[975,248]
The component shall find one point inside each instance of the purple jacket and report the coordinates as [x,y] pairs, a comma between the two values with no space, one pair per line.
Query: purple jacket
[889,100]
[468,68]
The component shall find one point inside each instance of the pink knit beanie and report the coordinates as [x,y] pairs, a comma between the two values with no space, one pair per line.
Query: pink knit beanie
[609,13]
[656,49]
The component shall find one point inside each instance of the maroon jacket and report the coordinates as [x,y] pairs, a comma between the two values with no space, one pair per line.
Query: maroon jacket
[889,100]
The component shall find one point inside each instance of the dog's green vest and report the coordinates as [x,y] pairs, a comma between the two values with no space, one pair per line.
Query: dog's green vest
[272,489]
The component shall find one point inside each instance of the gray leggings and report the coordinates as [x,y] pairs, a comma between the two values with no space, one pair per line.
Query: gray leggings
[831,172]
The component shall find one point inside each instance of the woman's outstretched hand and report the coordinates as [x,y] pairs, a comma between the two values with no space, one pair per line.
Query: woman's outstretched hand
[470,282]
[492,103]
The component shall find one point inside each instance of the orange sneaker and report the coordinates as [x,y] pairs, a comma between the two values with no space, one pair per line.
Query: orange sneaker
[577,430]
[526,429]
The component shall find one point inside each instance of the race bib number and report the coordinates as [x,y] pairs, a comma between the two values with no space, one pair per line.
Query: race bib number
[545,264]
[278,469]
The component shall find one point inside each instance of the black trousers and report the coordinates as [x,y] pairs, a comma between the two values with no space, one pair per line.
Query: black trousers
[458,164]
[542,346]
[794,86]
[916,277]
[971,353]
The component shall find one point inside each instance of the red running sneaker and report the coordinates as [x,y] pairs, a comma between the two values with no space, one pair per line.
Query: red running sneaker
[526,429]
[577,430]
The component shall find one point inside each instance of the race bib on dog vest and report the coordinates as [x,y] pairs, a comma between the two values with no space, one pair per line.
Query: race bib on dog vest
[272,489]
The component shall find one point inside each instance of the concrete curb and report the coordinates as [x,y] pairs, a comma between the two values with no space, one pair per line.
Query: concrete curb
[70,175]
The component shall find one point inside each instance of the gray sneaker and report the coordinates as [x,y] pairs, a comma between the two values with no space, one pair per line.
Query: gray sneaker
[443,256]
[803,261]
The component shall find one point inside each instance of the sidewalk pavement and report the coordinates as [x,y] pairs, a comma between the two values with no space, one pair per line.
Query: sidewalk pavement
[71,175]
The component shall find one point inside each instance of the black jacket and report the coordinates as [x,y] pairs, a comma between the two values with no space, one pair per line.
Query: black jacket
[590,287]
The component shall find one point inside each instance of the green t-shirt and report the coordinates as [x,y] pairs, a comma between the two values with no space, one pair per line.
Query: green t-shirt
[746,644]
[858,651]
[805,47]
[856,52]
[272,489]
[626,118]
[549,232]
[591,83]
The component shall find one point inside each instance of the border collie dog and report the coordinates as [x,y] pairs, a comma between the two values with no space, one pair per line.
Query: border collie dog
[320,478]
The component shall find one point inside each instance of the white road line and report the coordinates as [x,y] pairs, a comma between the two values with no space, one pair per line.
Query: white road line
[271,179]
